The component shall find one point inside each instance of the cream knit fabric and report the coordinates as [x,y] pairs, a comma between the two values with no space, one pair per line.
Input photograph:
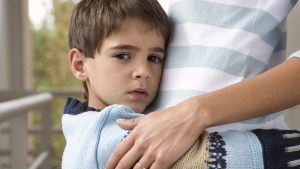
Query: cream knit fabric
[196,155]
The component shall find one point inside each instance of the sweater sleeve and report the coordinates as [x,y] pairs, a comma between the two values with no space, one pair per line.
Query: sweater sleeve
[92,136]
[244,149]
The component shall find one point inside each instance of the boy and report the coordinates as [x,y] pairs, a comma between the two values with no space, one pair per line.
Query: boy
[117,51]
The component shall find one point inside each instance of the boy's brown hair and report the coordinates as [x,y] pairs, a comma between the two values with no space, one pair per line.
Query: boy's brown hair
[94,20]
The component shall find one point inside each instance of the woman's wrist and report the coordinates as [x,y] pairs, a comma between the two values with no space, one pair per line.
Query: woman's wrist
[199,111]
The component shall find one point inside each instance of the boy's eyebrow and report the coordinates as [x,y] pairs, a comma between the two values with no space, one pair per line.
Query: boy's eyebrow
[129,47]
[158,49]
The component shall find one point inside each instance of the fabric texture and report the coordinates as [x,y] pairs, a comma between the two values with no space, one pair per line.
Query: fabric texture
[217,43]
[296,54]
[281,149]
[257,149]
[196,156]
[92,135]
[244,150]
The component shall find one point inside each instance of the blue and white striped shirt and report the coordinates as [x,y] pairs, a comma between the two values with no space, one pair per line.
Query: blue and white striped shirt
[218,43]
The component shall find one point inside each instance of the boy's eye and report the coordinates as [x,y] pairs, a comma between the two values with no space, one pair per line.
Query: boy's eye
[122,56]
[154,59]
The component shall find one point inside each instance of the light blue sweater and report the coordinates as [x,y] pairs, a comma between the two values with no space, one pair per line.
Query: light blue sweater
[89,143]
[92,135]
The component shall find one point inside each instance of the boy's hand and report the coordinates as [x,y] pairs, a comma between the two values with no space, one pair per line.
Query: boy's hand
[157,140]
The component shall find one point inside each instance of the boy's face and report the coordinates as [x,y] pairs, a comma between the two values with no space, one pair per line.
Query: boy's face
[128,68]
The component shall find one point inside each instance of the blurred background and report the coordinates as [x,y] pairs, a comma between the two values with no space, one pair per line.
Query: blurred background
[35,80]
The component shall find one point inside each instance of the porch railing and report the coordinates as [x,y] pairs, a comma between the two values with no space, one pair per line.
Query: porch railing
[15,112]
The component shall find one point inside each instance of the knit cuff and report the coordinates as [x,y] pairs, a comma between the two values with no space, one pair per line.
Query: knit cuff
[281,148]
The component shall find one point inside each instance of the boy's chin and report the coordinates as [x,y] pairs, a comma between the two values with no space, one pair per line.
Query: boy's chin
[137,108]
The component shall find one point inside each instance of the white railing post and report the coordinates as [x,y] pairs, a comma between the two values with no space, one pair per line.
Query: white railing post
[46,134]
[18,142]
[3,145]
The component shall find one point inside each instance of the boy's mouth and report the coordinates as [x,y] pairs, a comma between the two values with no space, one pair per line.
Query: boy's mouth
[139,94]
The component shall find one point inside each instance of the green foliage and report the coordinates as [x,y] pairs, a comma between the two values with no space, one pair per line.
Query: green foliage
[50,50]
[51,68]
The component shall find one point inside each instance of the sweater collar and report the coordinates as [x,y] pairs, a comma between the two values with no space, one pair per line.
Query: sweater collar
[75,107]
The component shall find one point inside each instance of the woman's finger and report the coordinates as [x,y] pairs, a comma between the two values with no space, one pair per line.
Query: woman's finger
[145,162]
[130,159]
[119,152]
[128,124]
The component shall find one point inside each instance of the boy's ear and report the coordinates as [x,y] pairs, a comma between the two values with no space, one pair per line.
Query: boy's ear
[77,62]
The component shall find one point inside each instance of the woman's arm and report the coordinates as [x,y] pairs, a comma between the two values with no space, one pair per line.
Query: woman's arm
[272,91]
[162,137]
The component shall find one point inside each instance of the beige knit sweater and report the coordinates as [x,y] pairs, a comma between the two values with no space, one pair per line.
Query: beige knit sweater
[196,156]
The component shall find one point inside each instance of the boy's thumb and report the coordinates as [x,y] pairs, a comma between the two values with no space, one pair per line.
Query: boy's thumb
[128,124]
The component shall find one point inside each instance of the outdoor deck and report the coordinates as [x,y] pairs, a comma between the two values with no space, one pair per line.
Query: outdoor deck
[15,107]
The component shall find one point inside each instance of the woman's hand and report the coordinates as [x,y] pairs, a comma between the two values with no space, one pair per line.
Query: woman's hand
[158,139]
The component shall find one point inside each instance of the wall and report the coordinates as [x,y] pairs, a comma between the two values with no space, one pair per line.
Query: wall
[14,46]
[293,114]
[3,46]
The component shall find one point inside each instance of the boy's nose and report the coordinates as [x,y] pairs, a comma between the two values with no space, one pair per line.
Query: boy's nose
[141,73]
